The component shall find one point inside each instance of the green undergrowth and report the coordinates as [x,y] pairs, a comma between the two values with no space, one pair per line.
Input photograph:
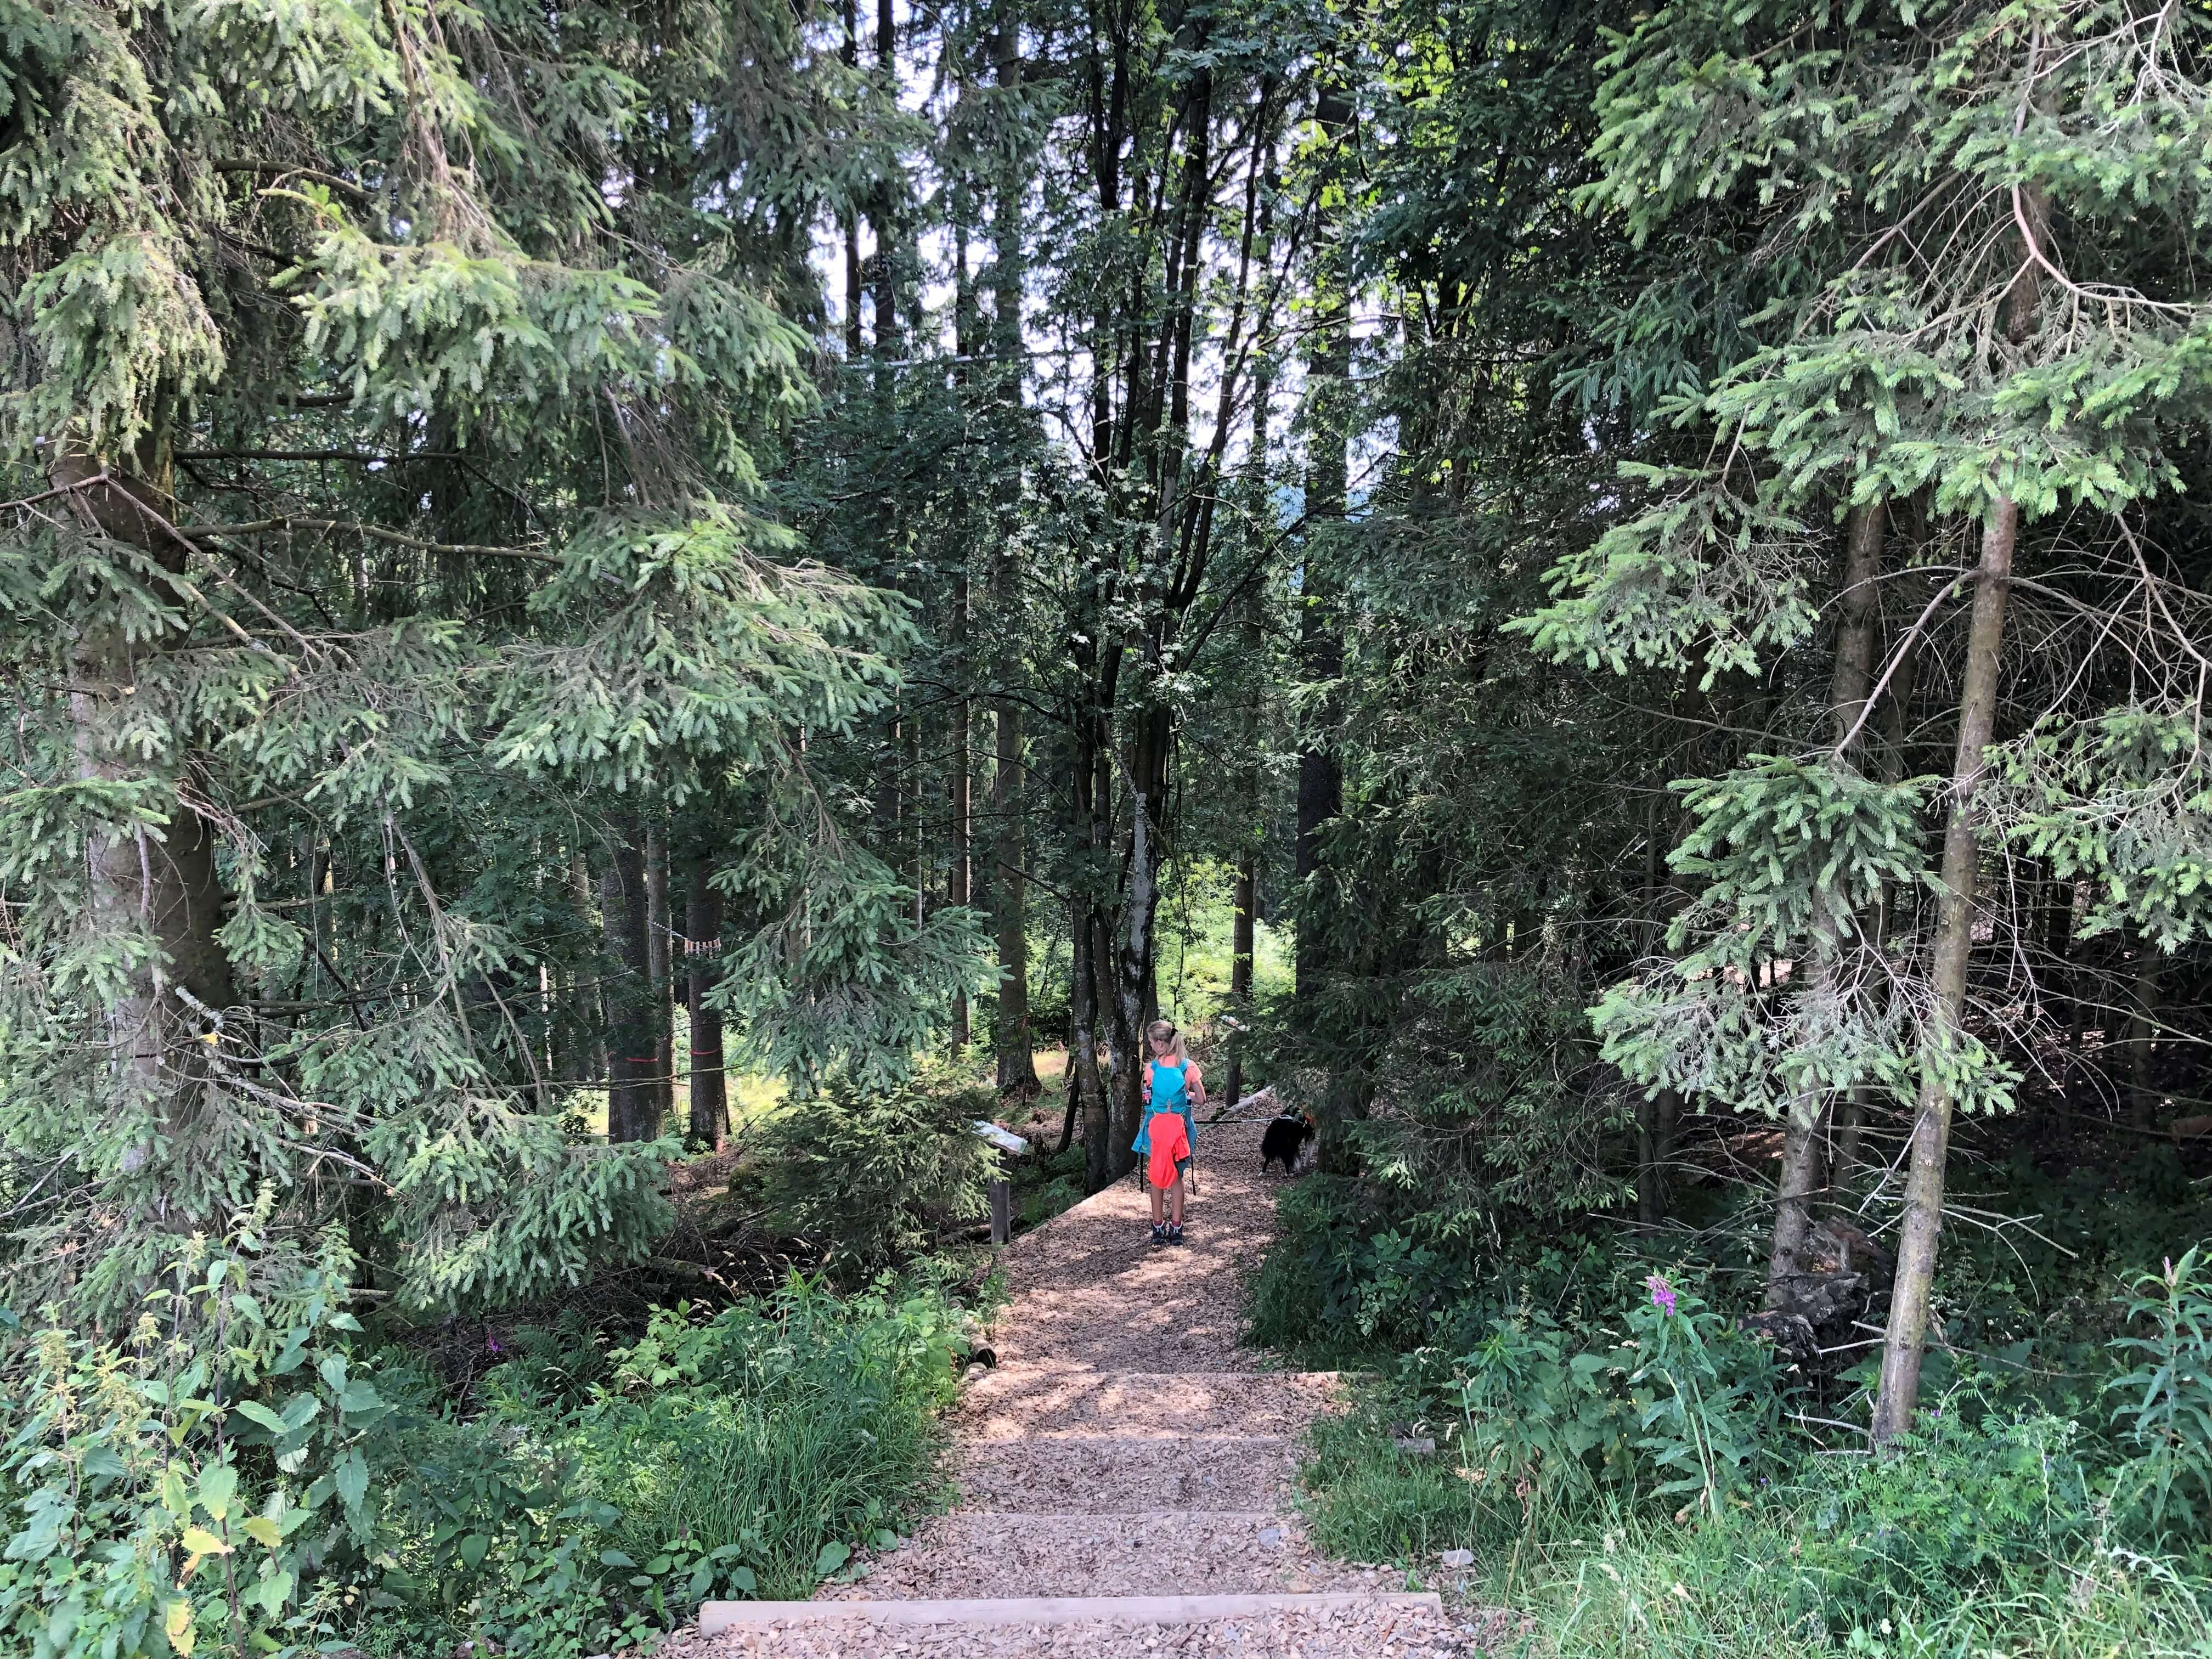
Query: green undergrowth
[1047,1186]
[1987,1535]
[333,1491]
[748,1453]
[1635,1475]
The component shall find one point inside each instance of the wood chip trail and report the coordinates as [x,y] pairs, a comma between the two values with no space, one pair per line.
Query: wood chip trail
[1125,1472]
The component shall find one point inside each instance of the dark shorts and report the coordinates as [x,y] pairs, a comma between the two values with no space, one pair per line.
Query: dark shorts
[1183,1168]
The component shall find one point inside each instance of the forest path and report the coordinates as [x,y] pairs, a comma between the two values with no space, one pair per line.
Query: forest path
[1125,1471]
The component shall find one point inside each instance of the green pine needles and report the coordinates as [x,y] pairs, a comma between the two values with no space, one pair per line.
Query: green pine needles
[378,390]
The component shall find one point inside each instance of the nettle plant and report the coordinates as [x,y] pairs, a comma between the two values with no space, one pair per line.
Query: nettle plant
[166,1486]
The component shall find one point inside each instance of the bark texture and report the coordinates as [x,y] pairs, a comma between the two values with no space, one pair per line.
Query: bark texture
[702,930]
[2142,1035]
[158,887]
[633,1102]
[1905,1342]
[1011,1038]
[1240,969]
[960,798]
[661,969]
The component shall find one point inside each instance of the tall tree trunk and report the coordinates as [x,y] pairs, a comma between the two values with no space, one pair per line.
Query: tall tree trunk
[1251,638]
[1152,746]
[1320,661]
[1321,782]
[1905,1342]
[1136,998]
[849,220]
[589,1021]
[853,290]
[702,930]
[1012,1041]
[1657,1116]
[886,215]
[1321,647]
[887,813]
[1656,1120]
[322,939]
[1009,1036]
[914,807]
[1804,1164]
[660,968]
[1083,1078]
[2142,1033]
[961,795]
[1241,943]
[633,1102]
[163,891]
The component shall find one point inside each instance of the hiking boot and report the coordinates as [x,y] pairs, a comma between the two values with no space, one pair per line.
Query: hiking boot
[1174,1235]
[1159,1235]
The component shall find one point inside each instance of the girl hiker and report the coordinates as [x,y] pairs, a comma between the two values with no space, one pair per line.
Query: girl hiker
[1168,1136]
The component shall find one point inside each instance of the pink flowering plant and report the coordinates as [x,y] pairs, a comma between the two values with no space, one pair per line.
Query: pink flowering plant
[1707,1397]
[1675,1406]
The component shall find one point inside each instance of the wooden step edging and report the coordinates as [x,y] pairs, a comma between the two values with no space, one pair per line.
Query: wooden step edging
[1000,1517]
[715,1617]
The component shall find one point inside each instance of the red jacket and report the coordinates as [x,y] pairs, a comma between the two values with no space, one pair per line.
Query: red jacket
[1171,1142]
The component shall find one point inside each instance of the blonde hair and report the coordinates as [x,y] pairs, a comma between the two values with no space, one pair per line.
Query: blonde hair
[1161,1028]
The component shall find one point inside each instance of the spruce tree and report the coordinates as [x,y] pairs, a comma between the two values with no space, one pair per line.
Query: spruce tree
[379,397]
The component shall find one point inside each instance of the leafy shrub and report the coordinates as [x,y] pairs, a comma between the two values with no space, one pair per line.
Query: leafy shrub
[1340,1283]
[868,1174]
[286,1486]
[1680,1408]
[189,1483]
[1557,1424]
[1304,1292]
[1963,1508]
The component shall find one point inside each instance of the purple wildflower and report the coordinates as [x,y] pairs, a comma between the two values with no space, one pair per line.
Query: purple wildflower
[1662,1293]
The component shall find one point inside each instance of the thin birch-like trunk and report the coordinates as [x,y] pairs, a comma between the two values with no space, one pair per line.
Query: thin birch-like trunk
[1905,1342]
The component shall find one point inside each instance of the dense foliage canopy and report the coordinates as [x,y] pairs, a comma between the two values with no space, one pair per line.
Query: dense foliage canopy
[550,555]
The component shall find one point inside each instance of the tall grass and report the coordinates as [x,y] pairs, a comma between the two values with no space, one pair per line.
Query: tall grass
[819,1467]
[1733,1591]
[1979,1543]
[791,1431]
[599,1496]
